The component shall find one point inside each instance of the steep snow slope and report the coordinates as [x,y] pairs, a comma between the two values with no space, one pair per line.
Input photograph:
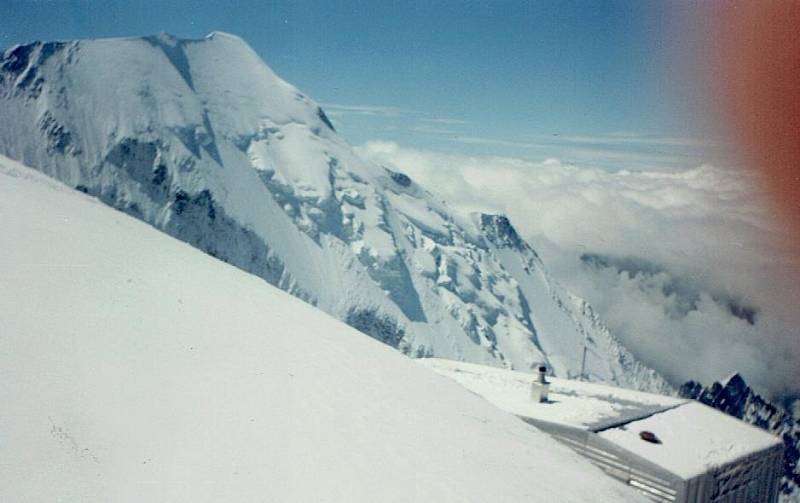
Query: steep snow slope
[202,140]
[135,368]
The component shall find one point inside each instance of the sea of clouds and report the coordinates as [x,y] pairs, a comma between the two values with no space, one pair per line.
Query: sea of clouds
[686,266]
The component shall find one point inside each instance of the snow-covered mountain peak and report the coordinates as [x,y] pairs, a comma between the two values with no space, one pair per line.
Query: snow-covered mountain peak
[225,34]
[201,139]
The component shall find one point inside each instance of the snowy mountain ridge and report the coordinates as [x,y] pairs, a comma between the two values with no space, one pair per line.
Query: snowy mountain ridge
[202,140]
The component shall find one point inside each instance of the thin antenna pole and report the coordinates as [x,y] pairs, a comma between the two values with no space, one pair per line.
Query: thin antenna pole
[583,361]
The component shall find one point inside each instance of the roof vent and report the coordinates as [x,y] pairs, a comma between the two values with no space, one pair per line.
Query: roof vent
[542,374]
[649,436]
[540,387]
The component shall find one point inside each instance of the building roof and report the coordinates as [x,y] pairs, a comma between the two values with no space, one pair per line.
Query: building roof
[693,437]
[583,405]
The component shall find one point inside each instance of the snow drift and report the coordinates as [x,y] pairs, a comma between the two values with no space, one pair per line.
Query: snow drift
[135,368]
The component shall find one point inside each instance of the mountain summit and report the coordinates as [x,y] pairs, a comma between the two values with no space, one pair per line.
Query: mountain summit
[201,139]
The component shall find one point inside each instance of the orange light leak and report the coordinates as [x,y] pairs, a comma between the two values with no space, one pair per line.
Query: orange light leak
[753,53]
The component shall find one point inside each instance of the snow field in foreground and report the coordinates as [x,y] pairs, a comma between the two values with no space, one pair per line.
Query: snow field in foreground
[136,368]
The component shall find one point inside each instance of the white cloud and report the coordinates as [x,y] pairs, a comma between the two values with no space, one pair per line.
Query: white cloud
[452,122]
[428,129]
[628,138]
[334,109]
[622,151]
[703,227]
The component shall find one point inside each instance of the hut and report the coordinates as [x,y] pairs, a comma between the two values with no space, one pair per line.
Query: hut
[670,449]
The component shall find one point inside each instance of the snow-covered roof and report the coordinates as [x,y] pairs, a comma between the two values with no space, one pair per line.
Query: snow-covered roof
[584,405]
[693,437]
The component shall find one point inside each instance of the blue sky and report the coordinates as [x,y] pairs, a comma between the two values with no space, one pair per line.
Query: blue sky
[600,83]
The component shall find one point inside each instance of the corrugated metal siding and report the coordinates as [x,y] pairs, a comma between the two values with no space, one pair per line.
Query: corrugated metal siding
[625,469]
[621,468]
[754,478]
[648,478]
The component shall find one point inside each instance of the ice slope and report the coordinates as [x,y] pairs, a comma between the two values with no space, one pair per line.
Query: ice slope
[136,368]
[202,140]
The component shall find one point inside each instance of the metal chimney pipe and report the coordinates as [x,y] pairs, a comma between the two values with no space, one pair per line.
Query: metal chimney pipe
[540,387]
[542,374]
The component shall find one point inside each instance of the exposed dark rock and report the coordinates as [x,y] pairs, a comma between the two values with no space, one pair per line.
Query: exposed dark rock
[21,64]
[499,231]
[159,174]
[59,139]
[16,59]
[377,326]
[324,118]
[400,179]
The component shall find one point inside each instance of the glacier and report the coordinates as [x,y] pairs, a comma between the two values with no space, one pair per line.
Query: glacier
[201,139]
